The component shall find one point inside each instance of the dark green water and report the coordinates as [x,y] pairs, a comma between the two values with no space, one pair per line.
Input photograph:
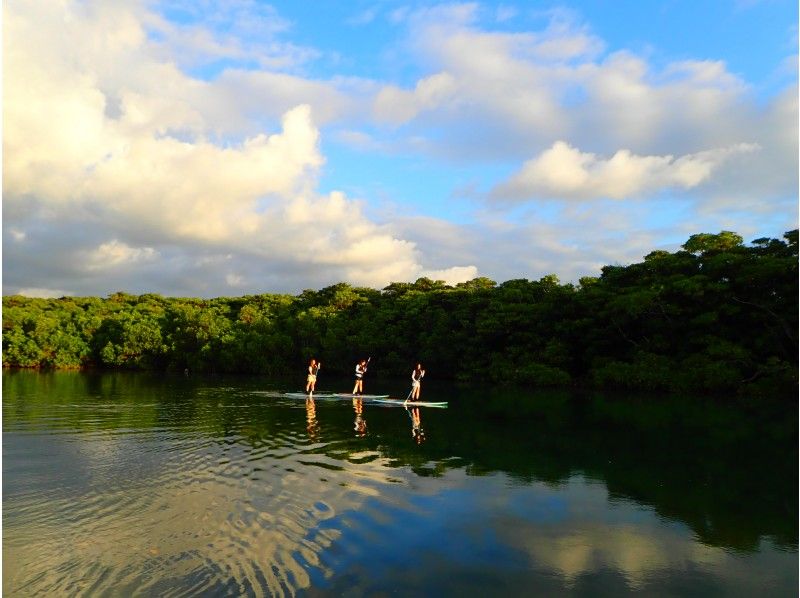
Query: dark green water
[126,484]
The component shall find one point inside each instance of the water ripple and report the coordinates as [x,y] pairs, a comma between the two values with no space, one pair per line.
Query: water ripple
[221,491]
[132,507]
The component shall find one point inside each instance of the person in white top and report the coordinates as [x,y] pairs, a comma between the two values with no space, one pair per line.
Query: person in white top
[416,378]
[311,380]
[361,369]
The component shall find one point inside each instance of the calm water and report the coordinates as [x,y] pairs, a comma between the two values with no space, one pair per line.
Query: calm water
[130,484]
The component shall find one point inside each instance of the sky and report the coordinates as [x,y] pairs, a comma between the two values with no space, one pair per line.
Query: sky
[196,148]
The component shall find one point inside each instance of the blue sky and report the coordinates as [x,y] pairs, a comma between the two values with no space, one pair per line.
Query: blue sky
[199,148]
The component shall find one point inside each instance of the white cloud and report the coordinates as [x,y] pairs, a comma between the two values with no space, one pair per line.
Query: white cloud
[137,153]
[43,293]
[106,136]
[364,17]
[234,280]
[453,275]
[397,106]
[571,240]
[240,31]
[358,140]
[505,13]
[511,95]
[115,254]
[567,173]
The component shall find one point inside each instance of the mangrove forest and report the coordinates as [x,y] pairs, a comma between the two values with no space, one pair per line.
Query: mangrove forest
[718,315]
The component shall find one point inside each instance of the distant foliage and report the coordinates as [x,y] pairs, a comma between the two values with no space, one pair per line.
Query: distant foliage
[715,316]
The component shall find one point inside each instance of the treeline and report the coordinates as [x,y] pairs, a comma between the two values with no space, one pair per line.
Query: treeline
[718,315]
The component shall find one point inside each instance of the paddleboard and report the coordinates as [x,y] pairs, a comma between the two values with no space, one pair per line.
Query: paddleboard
[328,395]
[401,402]
[305,395]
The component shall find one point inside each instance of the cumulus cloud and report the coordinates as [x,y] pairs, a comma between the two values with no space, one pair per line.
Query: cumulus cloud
[397,106]
[505,13]
[453,275]
[237,31]
[234,280]
[575,241]
[115,254]
[201,139]
[42,293]
[358,140]
[131,155]
[498,85]
[512,95]
[567,173]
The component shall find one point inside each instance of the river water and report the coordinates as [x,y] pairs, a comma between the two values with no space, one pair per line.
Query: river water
[137,484]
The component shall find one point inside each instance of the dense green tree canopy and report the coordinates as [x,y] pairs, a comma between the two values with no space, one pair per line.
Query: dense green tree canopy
[717,315]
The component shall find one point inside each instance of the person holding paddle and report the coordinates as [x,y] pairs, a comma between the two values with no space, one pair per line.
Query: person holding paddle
[361,369]
[311,380]
[416,379]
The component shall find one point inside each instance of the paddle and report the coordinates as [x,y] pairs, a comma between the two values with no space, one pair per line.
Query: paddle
[365,367]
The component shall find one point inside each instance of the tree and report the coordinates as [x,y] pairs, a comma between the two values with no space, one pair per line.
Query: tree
[477,284]
[713,316]
[705,242]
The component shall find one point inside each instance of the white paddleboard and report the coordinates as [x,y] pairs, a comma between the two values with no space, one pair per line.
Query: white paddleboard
[329,395]
[305,395]
[410,404]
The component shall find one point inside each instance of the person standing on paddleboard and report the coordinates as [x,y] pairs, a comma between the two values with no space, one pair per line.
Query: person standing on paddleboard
[313,369]
[361,369]
[416,381]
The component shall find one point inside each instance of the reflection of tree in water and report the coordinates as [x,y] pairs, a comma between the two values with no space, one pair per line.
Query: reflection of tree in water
[727,469]
[728,472]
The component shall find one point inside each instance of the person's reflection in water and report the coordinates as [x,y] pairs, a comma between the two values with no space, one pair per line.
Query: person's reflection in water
[360,424]
[312,425]
[417,433]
